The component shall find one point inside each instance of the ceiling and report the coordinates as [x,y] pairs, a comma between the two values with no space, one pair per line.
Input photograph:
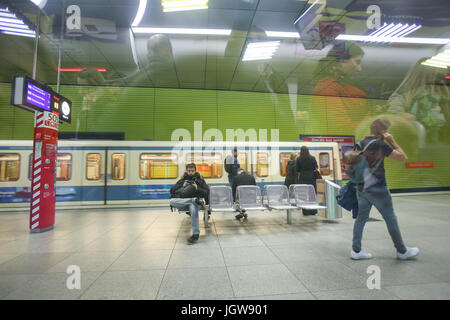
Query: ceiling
[215,61]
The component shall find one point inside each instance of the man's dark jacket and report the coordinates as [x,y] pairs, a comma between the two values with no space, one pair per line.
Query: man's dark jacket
[243,179]
[202,190]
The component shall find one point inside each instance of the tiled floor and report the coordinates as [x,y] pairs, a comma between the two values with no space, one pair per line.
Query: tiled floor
[142,254]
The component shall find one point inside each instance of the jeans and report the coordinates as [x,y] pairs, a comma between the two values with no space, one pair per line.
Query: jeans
[230,180]
[188,204]
[380,197]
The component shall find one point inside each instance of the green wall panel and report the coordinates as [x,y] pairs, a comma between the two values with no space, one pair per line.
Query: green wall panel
[148,113]
[177,109]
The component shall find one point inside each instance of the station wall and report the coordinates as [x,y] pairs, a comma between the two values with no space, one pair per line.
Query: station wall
[154,113]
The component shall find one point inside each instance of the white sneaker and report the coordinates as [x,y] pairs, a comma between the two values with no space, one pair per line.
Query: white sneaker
[360,255]
[410,253]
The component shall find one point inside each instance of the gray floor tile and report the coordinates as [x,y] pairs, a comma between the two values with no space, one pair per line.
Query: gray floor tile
[142,260]
[428,291]
[126,285]
[319,275]
[261,280]
[51,287]
[31,263]
[197,258]
[239,240]
[195,283]
[12,282]
[355,294]
[244,256]
[87,261]
[291,296]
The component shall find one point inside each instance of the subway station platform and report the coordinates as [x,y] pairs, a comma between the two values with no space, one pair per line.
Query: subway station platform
[142,253]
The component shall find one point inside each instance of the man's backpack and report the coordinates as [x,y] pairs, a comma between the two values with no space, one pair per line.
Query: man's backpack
[362,173]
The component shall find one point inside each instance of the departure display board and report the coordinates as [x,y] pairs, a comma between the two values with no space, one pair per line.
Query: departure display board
[31,95]
[38,97]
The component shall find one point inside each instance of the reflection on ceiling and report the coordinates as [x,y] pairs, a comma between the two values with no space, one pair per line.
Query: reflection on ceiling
[243,45]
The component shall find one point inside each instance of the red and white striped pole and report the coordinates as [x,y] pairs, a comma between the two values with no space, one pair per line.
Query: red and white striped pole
[43,193]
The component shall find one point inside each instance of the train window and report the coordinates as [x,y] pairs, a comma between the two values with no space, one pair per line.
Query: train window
[209,165]
[324,163]
[93,166]
[242,157]
[63,167]
[9,166]
[158,166]
[262,164]
[118,166]
[284,159]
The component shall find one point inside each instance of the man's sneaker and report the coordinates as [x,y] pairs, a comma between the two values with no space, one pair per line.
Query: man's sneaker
[192,239]
[360,255]
[410,253]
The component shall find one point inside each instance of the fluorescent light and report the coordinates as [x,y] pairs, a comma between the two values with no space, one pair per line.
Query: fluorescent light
[350,37]
[281,34]
[260,50]
[18,34]
[140,13]
[183,5]
[17,30]
[13,25]
[10,20]
[441,60]
[10,24]
[222,32]
[434,65]
[409,30]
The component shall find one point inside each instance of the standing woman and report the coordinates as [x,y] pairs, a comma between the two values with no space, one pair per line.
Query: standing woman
[306,165]
[291,171]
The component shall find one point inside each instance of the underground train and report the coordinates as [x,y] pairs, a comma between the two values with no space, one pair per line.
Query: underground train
[134,173]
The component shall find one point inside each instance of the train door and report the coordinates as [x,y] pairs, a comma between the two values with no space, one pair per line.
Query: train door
[93,184]
[118,176]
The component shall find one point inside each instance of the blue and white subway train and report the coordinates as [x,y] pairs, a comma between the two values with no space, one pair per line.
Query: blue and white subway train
[134,173]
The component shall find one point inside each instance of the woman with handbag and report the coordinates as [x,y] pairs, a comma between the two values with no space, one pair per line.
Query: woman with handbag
[307,169]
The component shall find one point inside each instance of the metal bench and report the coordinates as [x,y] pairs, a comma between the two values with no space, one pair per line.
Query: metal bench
[221,199]
[305,197]
[277,197]
[249,199]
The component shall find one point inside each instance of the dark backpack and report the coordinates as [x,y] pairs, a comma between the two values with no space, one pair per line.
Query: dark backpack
[362,173]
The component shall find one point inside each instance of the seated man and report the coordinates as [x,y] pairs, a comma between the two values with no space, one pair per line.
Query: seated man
[242,179]
[185,195]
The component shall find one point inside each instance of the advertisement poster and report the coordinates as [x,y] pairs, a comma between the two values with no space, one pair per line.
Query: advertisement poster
[345,143]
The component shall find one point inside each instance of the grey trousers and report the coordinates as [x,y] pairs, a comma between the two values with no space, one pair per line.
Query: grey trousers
[380,197]
[190,205]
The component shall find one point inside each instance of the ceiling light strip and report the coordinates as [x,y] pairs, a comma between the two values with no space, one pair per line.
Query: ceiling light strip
[140,13]
[18,30]
[281,34]
[224,32]
[425,63]
[400,31]
[17,34]
[409,30]
[350,37]
[14,25]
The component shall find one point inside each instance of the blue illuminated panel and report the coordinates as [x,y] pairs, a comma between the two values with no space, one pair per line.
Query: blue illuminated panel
[38,97]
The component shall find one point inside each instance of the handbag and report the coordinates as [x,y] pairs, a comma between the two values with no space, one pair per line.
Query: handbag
[317,174]
[347,199]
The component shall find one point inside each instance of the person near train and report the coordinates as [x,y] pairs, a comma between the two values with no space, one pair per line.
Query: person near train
[370,178]
[186,195]
[242,178]
[306,164]
[232,165]
[291,171]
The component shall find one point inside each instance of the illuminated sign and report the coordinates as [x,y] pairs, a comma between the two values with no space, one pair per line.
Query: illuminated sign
[62,106]
[31,95]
